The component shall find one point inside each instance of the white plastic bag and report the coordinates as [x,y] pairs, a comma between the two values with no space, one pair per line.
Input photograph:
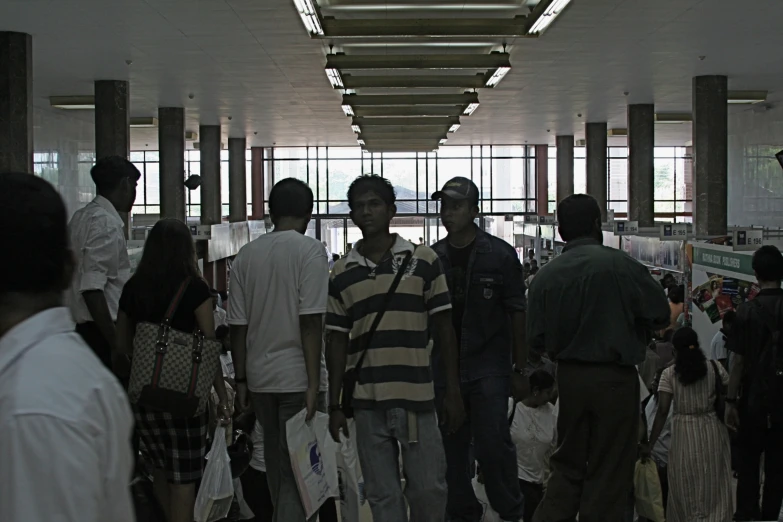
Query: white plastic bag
[216,492]
[349,476]
[245,513]
[489,514]
[329,450]
[307,463]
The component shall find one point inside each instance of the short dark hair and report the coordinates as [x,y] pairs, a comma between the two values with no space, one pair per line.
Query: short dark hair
[34,221]
[541,379]
[677,294]
[768,263]
[109,172]
[728,317]
[577,215]
[291,198]
[372,183]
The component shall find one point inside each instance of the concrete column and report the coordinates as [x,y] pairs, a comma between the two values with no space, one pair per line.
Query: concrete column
[209,138]
[257,182]
[16,102]
[237,179]
[171,141]
[596,164]
[710,155]
[565,167]
[542,179]
[112,120]
[641,164]
[112,124]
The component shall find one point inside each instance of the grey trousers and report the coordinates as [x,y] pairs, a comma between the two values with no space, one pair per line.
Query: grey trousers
[273,411]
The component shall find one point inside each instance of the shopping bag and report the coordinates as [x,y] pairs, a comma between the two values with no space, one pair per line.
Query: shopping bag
[216,492]
[307,463]
[245,513]
[329,450]
[349,476]
[489,514]
[647,490]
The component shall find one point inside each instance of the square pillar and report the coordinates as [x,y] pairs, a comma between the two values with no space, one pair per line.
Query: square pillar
[237,179]
[16,102]
[542,179]
[171,141]
[257,195]
[112,120]
[641,164]
[597,179]
[565,167]
[710,155]
[209,145]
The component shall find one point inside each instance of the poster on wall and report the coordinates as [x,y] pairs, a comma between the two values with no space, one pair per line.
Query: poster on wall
[653,252]
[720,294]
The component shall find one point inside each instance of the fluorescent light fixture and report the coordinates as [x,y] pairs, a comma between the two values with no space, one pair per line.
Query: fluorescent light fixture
[548,16]
[580,143]
[360,142]
[673,117]
[498,75]
[613,133]
[442,141]
[348,110]
[454,128]
[191,136]
[334,78]
[309,17]
[470,109]
[143,123]
[73,103]
[746,97]
[356,129]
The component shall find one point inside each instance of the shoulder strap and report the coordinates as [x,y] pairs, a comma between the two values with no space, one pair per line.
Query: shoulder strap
[175,301]
[379,315]
[513,413]
[718,381]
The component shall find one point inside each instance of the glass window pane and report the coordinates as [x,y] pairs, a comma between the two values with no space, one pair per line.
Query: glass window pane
[580,175]
[224,182]
[345,153]
[341,175]
[580,152]
[151,155]
[290,169]
[618,180]
[552,176]
[664,179]
[455,152]
[402,175]
[618,152]
[135,156]
[664,152]
[152,182]
[508,182]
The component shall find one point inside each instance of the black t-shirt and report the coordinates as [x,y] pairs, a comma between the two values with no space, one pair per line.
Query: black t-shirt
[458,281]
[137,306]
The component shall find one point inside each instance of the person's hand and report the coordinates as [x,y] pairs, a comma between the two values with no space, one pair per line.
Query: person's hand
[731,417]
[242,398]
[311,401]
[453,410]
[224,413]
[520,386]
[337,422]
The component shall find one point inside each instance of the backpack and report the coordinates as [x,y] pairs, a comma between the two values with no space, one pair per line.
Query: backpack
[766,396]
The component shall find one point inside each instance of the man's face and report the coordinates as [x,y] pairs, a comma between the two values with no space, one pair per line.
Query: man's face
[371,214]
[457,214]
[129,191]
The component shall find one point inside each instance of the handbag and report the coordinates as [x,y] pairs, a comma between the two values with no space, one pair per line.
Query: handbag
[720,394]
[351,377]
[172,371]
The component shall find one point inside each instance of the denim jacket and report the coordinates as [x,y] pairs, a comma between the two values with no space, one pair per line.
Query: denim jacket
[495,289]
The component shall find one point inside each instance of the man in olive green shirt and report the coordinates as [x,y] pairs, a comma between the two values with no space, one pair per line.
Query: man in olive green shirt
[592,310]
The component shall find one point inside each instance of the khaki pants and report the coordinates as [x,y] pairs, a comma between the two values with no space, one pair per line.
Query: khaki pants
[598,424]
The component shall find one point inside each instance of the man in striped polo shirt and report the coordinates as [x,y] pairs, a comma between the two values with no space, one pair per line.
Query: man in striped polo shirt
[394,399]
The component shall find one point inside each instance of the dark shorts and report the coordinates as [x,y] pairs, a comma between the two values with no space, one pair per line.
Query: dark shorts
[175,445]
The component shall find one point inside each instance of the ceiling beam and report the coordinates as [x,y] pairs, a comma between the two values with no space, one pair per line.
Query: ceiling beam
[403,133]
[359,100]
[402,110]
[401,148]
[398,122]
[451,81]
[346,62]
[430,27]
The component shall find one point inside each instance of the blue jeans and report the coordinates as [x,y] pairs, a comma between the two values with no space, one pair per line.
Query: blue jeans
[486,406]
[380,434]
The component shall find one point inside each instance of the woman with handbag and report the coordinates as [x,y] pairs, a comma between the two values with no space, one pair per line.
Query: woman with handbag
[166,323]
[699,457]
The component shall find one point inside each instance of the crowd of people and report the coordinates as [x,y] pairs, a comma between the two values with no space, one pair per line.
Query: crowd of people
[449,365]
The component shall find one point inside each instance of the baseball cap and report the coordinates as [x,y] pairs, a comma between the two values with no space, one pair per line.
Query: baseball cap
[458,188]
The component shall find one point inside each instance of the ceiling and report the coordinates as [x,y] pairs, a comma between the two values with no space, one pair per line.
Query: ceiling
[253,62]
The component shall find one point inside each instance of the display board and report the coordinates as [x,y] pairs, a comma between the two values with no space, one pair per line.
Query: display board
[721,279]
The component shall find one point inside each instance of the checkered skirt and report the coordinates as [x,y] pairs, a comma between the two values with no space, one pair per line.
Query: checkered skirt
[174,444]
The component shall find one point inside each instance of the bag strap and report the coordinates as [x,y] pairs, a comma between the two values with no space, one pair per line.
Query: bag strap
[718,381]
[513,413]
[379,315]
[175,301]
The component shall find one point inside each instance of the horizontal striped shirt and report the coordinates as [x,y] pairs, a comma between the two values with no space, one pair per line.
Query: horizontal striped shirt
[396,370]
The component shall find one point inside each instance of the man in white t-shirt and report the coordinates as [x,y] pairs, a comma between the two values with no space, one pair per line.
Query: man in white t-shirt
[279,288]
[718,351]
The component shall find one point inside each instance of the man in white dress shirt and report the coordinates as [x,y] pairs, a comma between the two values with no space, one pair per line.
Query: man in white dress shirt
[97,235]
[65,421]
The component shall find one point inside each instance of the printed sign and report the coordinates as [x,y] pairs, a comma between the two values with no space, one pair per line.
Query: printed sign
[626,228]
[674,232]
[748,239]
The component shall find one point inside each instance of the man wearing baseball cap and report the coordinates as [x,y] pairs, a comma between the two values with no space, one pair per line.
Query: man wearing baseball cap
[488,297]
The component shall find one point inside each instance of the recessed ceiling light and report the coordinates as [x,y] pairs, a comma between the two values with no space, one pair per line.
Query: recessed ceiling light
[356,129]
[498,75]
[348,110]
[143,123]
[746,97]
[470,109]
[72,102]
[443,141]
[309,17]
[334,78]
[454,127]
[548,16]
[617,132]
[360,142]
[191,136]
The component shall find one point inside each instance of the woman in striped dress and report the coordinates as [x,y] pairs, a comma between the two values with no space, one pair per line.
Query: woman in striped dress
[700,456]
